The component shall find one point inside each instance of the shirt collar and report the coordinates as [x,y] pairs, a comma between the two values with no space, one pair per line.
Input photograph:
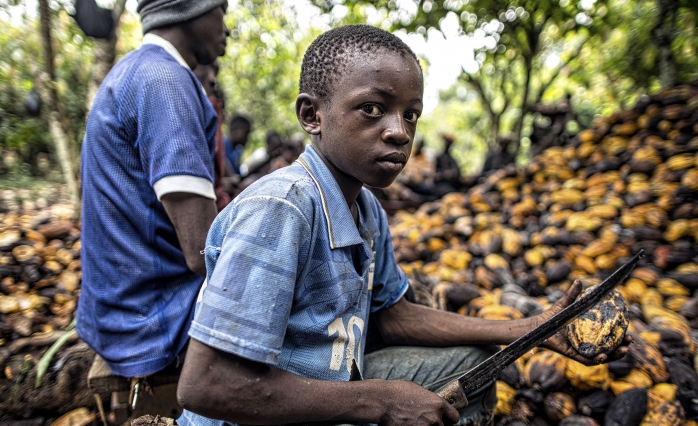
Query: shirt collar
[341,229]
[151,38]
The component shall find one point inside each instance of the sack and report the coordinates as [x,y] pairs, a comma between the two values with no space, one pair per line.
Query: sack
[93,20]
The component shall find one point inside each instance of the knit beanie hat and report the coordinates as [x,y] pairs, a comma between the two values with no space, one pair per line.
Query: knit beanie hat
[158,13]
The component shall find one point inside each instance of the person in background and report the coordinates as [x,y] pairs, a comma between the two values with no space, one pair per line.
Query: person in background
[499,157]
[238,135]
[149,200]
[208,76]
[447,177]
[258,162]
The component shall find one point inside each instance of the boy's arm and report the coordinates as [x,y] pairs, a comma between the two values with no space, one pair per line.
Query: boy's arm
[223,386]
[411,324]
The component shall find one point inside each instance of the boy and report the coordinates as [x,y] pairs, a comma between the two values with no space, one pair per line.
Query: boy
[298,261]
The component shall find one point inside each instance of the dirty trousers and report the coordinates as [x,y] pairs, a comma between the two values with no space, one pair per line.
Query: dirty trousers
[433,368]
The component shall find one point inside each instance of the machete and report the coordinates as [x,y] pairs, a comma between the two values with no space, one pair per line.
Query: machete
[455,391]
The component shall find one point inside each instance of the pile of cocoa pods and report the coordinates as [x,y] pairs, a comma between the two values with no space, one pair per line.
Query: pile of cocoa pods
[510,246]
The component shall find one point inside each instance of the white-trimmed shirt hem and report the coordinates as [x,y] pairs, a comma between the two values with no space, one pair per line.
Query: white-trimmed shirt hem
[184,183]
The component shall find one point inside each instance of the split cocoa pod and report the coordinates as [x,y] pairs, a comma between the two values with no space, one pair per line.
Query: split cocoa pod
[601,329]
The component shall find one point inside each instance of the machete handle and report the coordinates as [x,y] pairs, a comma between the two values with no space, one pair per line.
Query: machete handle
[453,393]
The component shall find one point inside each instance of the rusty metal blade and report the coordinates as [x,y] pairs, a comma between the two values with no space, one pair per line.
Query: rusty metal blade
[488,369]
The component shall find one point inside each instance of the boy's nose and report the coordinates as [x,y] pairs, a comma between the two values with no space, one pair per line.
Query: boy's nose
[396,132]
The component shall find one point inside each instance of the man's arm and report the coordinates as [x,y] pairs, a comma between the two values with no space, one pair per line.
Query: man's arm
[191,216]
[223,386]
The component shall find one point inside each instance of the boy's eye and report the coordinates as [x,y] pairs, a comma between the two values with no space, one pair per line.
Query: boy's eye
[411,116]
[371,109]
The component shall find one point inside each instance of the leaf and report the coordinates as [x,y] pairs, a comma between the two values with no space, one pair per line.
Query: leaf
[45,360]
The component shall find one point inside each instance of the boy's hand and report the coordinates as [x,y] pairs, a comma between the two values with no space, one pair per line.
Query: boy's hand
[559,342]
[409,404]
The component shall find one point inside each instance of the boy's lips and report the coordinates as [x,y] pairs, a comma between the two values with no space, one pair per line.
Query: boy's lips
[393,162]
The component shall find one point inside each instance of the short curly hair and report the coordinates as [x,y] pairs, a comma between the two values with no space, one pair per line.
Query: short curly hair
[325,60]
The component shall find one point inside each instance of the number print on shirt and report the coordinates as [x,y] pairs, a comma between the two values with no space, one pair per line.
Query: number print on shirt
[338,346]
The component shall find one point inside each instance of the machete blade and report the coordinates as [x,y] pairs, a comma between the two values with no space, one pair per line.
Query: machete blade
[488,369]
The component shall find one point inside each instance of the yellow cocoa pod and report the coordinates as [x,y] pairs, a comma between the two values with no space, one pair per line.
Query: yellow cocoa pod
[669,287]
[646,275]
[499,312]
[681,162]
[456,259]
[585,263]
[587,378]
[598,247]
[505,399]
[495,261]
[677,229]
[606,262]
[665,414]
[602,328]
[583,222]
[567,196]
[604,211]
[635,379]
[635,288]
[511,242]
[675,303]
[595,191]
[436,244]
[665,392]
[690,180]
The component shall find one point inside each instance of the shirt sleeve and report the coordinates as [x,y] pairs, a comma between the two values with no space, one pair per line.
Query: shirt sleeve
[245,307]
[172,125]
[389,283]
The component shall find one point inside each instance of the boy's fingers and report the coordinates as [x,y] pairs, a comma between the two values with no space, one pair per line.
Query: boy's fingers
[571,294]
[451,415]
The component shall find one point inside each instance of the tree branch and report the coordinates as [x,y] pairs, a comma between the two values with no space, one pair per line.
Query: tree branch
[544,87]
[481,92]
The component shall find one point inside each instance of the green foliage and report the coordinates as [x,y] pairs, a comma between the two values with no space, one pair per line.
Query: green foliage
[260,71]
[20,66]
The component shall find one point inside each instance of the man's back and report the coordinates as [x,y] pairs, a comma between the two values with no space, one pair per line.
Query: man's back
[150,120]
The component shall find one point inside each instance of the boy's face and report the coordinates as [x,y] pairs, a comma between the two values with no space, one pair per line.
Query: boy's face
[367,126]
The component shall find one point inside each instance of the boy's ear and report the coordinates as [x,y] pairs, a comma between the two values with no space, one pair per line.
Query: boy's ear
[307,113]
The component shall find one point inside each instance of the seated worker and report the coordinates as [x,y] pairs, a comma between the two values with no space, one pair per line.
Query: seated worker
[208,76]
[447,177]
[148,194]
[298,261]
[238,134]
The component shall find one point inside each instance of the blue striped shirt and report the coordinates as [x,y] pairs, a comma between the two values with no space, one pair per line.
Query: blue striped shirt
[292,279]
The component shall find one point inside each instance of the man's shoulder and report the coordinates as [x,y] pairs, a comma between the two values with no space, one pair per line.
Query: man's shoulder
[150,65]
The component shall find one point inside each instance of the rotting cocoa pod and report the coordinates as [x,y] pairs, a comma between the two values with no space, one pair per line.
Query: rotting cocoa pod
[559,271]
[648,359]
[577,420]
[686,380]
[511,376]
[602,328]
[594,403]
[628,409]
[672,344]
[56,230]
[559,405]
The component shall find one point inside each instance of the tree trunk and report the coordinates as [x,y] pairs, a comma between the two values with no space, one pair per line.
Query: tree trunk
[663,36]
[105,54]
[47,87]
[525,105]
